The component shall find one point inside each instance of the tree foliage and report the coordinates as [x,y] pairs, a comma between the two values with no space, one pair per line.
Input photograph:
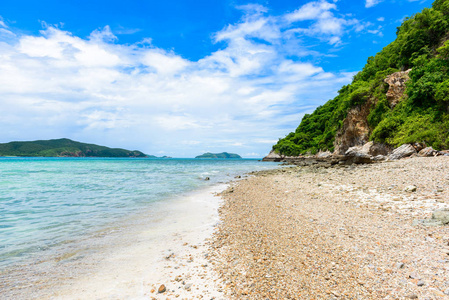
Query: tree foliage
[421,44]
[63,147]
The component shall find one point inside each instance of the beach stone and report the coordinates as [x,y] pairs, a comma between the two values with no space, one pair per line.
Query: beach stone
[207,178]
[441,215]
[162,289]
[188,286]
[410,189]
[324,154]
[380,158]
[403,151]
[420,283]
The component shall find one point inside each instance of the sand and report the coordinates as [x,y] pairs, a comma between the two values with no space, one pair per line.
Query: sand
[337,233]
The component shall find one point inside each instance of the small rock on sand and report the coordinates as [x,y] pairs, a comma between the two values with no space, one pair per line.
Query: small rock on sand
[162,289]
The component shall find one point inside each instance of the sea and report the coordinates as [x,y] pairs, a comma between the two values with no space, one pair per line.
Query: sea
[49,204]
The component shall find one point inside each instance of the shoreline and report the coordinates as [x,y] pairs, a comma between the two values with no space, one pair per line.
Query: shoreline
[347,232]
[133,259]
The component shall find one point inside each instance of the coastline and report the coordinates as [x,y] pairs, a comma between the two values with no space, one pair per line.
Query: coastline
[132,260]
[347,232]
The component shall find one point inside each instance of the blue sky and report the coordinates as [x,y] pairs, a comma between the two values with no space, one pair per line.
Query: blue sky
[181,78]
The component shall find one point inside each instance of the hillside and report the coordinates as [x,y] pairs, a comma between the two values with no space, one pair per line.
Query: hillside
[400,96]
[63,148]
[218,155]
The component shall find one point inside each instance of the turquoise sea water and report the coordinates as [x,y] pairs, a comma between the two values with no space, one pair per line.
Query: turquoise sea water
[48,201]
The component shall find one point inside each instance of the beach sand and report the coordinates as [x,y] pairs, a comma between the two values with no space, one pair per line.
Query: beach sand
[336,233]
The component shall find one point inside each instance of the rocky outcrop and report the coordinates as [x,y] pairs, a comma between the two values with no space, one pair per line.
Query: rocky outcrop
[396,83]
[355,130]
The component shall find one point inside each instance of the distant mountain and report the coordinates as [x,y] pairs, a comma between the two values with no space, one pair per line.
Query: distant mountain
[63,148]
[219,155]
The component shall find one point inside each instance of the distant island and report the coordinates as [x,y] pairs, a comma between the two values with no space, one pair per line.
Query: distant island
[219,155]
[63,148]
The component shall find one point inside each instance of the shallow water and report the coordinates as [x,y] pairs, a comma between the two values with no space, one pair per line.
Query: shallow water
[49,202]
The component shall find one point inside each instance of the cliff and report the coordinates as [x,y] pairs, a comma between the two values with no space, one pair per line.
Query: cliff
[401,96]
[63,148]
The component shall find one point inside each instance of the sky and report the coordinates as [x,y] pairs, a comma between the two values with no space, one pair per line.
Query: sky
[180,78]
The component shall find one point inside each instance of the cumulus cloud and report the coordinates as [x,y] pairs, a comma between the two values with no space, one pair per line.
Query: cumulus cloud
[240,98]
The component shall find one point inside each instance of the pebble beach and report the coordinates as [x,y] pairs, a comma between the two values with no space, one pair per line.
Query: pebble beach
[346,232]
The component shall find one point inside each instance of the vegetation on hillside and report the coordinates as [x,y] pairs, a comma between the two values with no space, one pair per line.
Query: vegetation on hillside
[63,147]
[421,44]
[218,155]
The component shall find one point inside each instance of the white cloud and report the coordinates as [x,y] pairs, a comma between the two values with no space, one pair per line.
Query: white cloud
[371,3]
[244,95]
[381,19]
[311,11]
[325,24]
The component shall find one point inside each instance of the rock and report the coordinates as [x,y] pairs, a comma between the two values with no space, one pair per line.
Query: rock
[188,286]
[324,154]
[396,82]
[357,156]
[380,158]
[273,156]
[441,215]
[355,130]
[375,149]
[427,222]
[410,189]
[162,289]
[403,151]
[428,152]
[420,283]
[207,178]
[419,146]
[412,296]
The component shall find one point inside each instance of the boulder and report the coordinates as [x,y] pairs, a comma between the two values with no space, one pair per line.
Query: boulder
[403,151]
[428,152]
[272,156]
[441,215]
[375,149]
[357,156]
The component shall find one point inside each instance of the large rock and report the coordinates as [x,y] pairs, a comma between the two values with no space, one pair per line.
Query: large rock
[396,83]
[403,151]
[357,156]
[428,152]
[272,156]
